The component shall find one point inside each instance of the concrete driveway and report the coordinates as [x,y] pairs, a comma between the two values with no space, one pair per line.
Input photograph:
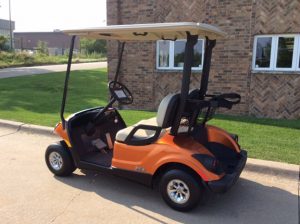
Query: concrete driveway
[29,193]
[22,71]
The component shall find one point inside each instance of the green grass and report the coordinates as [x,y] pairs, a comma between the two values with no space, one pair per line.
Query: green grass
[268,139]
[36,99]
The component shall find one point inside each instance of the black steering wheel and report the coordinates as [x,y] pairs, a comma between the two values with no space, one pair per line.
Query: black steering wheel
[120,92]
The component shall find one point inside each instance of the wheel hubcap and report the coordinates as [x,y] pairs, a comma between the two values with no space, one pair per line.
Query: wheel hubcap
[178,191]
[55,160]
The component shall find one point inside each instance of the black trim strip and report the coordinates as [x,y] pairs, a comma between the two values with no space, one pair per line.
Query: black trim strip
[139,177]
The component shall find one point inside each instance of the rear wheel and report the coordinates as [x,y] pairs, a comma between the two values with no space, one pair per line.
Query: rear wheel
[59,160]
[180,190]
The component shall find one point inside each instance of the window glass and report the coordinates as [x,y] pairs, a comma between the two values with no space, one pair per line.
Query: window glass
[198,54]
[179,47]
[163,49]
[170,54]
[179,53]
[263,52]
[298,48]
[285,52]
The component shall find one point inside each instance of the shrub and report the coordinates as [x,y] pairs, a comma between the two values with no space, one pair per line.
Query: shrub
[42,48]
[3,44]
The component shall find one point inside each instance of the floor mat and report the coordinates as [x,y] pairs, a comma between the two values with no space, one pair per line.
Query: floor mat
[99,158]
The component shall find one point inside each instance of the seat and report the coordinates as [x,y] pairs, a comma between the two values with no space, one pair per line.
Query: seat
[147,131]
[140,134]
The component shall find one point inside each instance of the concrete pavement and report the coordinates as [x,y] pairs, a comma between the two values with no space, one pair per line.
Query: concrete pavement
[22,71]
[29,193]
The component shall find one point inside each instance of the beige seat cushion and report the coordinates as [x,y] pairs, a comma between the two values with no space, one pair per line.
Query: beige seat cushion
[161,120]
[140,134]
[151,121]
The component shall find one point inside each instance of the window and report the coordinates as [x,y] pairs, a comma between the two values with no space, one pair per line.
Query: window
[298,55]
[285,52]
[170,54]
[164,49]
[276,53]
[263,52]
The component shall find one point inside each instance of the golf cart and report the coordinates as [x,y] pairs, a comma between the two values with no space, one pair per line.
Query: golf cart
[176,151]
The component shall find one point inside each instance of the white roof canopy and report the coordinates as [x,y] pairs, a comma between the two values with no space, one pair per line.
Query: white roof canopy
[150,31]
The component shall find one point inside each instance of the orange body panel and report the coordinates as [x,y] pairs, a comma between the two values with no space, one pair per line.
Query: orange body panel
[62,133]
[169,149]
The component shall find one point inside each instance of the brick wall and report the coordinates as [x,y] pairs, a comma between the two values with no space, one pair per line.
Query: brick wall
[275,95]
[231,62]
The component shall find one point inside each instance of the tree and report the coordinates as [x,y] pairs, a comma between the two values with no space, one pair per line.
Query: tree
[93,46]
[3,44]
[42,48]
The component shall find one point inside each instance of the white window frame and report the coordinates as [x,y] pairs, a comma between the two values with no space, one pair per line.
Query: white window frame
[298,55]
[254,53]
[274,53]
[171,57]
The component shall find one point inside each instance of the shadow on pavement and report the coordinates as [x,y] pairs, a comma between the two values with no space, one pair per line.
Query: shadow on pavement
[247,202]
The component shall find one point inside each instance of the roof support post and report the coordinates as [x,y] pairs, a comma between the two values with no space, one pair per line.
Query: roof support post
[119,61]
[63,103]
[209,45]
[186,76]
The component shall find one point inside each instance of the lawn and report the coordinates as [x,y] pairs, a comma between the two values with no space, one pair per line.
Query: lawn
[36,99]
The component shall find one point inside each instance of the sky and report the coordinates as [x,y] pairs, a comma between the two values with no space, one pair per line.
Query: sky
[47,15]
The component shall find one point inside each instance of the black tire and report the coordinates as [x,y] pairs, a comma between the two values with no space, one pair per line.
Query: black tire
[67,167]
[195,190]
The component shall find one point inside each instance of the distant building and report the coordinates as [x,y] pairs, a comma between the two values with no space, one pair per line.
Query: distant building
[57,42]
[5,27]
[5,30]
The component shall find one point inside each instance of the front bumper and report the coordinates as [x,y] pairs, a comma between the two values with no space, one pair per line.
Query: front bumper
[226,182]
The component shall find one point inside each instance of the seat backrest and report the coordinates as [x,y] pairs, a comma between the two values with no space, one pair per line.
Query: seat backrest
[167,110]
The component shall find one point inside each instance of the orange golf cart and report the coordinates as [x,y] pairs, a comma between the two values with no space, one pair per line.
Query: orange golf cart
[176,151]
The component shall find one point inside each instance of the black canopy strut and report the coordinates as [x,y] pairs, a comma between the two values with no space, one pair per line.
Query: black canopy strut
[209,45]
[119,61]
[186,75]
[188,63]
[63,103]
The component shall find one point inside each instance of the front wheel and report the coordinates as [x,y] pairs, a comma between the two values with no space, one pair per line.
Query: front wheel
[59,160]
[180,190]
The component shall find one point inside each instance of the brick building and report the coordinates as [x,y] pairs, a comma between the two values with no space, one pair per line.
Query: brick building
[58,43]
[260,58]
[5,27]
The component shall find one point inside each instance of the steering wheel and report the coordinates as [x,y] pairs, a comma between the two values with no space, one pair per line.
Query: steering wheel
[120,92]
